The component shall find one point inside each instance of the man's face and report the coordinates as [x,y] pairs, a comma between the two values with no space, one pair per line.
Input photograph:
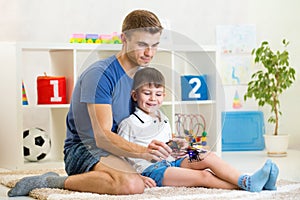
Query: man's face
[141,47]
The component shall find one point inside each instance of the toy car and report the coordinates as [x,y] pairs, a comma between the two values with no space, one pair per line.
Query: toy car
[193,153]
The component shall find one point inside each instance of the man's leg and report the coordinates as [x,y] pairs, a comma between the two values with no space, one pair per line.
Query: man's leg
[25,185]
[111,175]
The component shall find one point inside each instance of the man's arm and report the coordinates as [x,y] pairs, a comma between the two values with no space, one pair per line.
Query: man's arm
[101,119]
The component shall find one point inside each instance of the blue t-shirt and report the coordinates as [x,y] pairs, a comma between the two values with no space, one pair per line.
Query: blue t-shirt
[104,82]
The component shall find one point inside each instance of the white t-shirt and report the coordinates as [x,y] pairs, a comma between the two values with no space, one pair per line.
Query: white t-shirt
[141,128]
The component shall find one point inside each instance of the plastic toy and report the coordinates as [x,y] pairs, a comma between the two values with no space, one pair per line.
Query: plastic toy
[116,38]
[189,127]
[78,38]
[24,96]
[91,38]
[36,144]
[105,38]
[192,152]
[236,101]
[174,146]
[113,38]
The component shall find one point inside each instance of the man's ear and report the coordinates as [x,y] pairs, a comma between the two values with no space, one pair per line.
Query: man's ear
[123,38]
[134,95]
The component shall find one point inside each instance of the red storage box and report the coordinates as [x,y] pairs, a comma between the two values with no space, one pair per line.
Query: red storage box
[51,90]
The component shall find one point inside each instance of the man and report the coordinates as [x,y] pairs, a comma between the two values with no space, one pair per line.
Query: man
[100,100]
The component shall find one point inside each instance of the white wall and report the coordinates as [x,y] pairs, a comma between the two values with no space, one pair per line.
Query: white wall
[56,20]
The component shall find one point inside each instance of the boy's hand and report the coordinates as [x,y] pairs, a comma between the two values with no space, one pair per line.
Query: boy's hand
[149,182]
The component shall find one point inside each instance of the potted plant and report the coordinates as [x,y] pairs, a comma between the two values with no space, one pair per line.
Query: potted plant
[266,86]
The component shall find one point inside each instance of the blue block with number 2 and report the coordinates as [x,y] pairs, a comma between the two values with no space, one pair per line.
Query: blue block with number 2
[193,87]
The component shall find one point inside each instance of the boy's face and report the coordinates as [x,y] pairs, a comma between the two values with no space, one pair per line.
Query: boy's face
[149,98]
[141,46]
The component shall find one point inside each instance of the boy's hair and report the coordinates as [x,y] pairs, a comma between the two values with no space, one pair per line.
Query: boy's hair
[142,20]
[150,76]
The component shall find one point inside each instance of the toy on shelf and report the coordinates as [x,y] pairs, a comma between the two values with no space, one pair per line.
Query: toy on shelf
[113,38]
[78,38]
[92,38]
[24,96]
[116,38]
[189,126]
[51,89]
[194,87]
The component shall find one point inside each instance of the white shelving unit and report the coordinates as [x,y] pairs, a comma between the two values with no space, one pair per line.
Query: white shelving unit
[70,60]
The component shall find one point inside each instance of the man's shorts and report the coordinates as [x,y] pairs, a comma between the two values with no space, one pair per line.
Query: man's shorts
[157,170]
[80,158]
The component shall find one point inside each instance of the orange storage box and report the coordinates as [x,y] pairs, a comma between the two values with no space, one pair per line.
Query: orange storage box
[51,90]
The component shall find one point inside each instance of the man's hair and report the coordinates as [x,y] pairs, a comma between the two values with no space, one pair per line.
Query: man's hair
[142,20]
[150,76]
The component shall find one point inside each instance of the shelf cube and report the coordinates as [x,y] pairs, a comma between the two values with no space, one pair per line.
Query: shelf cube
[193,87]
[51,90]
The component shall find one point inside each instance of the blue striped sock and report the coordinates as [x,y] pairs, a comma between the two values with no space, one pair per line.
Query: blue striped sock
[271,183]
[256,181]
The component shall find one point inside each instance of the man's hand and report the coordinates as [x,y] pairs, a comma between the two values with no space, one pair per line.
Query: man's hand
[158,151]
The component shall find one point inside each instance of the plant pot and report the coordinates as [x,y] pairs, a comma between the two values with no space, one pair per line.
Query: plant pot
[276,145]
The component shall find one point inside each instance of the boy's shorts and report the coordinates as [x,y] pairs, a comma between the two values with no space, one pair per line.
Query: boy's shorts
[81,158]
[157,170]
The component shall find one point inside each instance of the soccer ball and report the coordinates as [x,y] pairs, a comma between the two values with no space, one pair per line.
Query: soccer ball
[36,144]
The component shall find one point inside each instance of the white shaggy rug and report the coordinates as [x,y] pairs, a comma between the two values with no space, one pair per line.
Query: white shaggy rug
[286,190]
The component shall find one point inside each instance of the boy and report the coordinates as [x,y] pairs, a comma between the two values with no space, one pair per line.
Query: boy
[148,123]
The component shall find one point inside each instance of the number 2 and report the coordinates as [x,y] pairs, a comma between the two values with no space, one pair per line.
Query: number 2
[193,93]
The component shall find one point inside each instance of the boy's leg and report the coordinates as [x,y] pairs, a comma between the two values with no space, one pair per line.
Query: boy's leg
[229,174]
[271,183]
[219,167]
[256,181]
[176,176]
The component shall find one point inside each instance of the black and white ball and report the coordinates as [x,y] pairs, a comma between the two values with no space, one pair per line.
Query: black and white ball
[36,144]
